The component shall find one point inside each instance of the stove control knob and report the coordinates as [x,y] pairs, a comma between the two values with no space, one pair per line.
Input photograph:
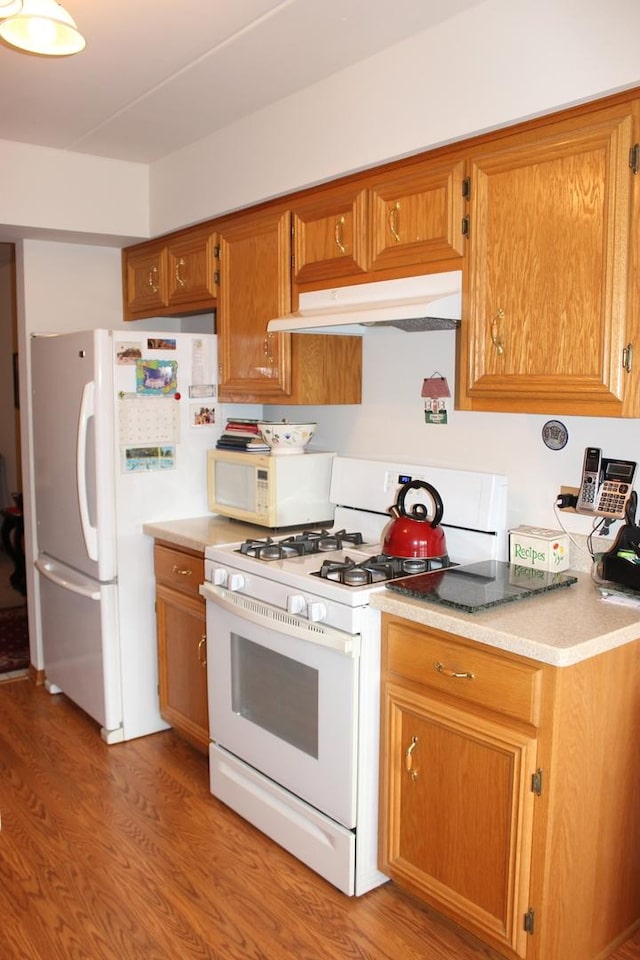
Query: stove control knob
[220,577]
[235,581]
[316,611]
[296,603]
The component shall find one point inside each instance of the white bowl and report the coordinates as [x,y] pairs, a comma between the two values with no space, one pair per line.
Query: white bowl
[286,438]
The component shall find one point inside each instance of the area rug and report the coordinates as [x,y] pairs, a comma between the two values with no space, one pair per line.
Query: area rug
[14,639]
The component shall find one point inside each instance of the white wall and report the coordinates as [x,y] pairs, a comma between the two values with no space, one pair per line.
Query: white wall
[57,192]
[391,423]
[499,62]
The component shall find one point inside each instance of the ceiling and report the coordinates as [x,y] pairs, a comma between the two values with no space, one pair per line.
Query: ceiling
[157,75]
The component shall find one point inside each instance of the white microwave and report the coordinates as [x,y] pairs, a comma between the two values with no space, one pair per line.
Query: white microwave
[280,491]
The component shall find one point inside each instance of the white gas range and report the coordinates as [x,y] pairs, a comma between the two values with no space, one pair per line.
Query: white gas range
[293,656]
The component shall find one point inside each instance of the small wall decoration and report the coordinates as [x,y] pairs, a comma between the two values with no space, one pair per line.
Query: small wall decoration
[156,377]
[555,435]
[435,391]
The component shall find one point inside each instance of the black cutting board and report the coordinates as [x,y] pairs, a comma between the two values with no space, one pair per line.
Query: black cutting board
[478,586]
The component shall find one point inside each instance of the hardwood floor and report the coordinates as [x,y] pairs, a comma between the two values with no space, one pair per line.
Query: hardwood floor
[121,853]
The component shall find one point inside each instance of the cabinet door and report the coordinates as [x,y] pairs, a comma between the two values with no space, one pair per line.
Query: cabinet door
[145,280]
[457,812]
[254,287]
[544,323]
[182,664]
[416,215]
[191,269]
[329,234]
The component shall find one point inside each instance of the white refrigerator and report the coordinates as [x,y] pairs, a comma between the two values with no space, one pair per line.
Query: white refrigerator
[122,421]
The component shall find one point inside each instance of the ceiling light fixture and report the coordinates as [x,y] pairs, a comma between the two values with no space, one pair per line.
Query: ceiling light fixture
[42,26]
[9,7]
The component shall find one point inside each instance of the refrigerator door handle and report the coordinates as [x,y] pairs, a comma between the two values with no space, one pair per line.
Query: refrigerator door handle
[82,586]
[87,410]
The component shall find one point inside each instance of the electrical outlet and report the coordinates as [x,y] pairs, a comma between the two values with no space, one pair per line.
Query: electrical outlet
[390,481]
[571,491]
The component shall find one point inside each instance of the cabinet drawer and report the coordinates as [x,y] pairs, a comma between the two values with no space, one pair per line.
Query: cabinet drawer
[466,672]
[179,569]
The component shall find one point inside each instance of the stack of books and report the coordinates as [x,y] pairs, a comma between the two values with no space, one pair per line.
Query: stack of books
[242,435]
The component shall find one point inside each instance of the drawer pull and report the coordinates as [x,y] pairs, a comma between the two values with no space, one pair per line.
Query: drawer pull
[182,571]
[440,667]
[202,650]
[408,759]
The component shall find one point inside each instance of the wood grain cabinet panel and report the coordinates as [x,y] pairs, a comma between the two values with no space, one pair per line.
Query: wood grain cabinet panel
[545,315]
[144,280]
[416,214]
[508,801]
[191,270]
[182,643]
[170,277]
[461,830]
[329,231]
[255,286]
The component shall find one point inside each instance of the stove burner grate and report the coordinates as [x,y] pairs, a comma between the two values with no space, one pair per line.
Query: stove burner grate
[299,544]
[378,569]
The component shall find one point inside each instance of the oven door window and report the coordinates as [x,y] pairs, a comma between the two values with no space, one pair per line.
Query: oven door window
[276,692]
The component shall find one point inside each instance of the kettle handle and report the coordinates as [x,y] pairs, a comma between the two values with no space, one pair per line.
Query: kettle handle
[418,511]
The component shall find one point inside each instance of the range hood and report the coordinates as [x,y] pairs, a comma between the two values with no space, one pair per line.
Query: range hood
[430,302]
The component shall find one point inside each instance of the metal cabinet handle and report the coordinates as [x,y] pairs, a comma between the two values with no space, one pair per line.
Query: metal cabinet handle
[182,571]
[408,759]
[495,339]
[178,272]
[152,279]
[338,235]
[440,667]
[627,358]
[394,221]
[202,650]
[268,351]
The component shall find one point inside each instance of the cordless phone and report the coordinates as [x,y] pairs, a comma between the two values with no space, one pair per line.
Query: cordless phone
[590,483]
[606,485]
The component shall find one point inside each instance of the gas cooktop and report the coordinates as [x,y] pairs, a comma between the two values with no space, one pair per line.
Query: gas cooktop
[478,586]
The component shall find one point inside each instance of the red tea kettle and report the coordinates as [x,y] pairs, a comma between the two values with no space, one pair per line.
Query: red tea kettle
[414,534]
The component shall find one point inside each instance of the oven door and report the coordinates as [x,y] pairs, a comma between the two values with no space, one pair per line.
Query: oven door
[283,698]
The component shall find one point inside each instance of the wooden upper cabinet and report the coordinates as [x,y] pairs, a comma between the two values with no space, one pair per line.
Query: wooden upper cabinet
[329,234]
[144,271]
[191,269]
[545,323]
[171,276]
[255,287]
[416,214]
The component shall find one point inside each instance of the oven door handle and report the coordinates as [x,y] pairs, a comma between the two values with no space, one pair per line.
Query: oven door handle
[255,611]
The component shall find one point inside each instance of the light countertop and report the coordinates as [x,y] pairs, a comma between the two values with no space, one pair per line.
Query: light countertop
[561,627]
[196,533]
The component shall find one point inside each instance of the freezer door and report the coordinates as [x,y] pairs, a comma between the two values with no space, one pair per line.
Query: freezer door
[72,397]
[80,643]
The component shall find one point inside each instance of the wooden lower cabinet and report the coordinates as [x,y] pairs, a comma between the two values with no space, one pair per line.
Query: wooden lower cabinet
[509,791]
[182,643]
